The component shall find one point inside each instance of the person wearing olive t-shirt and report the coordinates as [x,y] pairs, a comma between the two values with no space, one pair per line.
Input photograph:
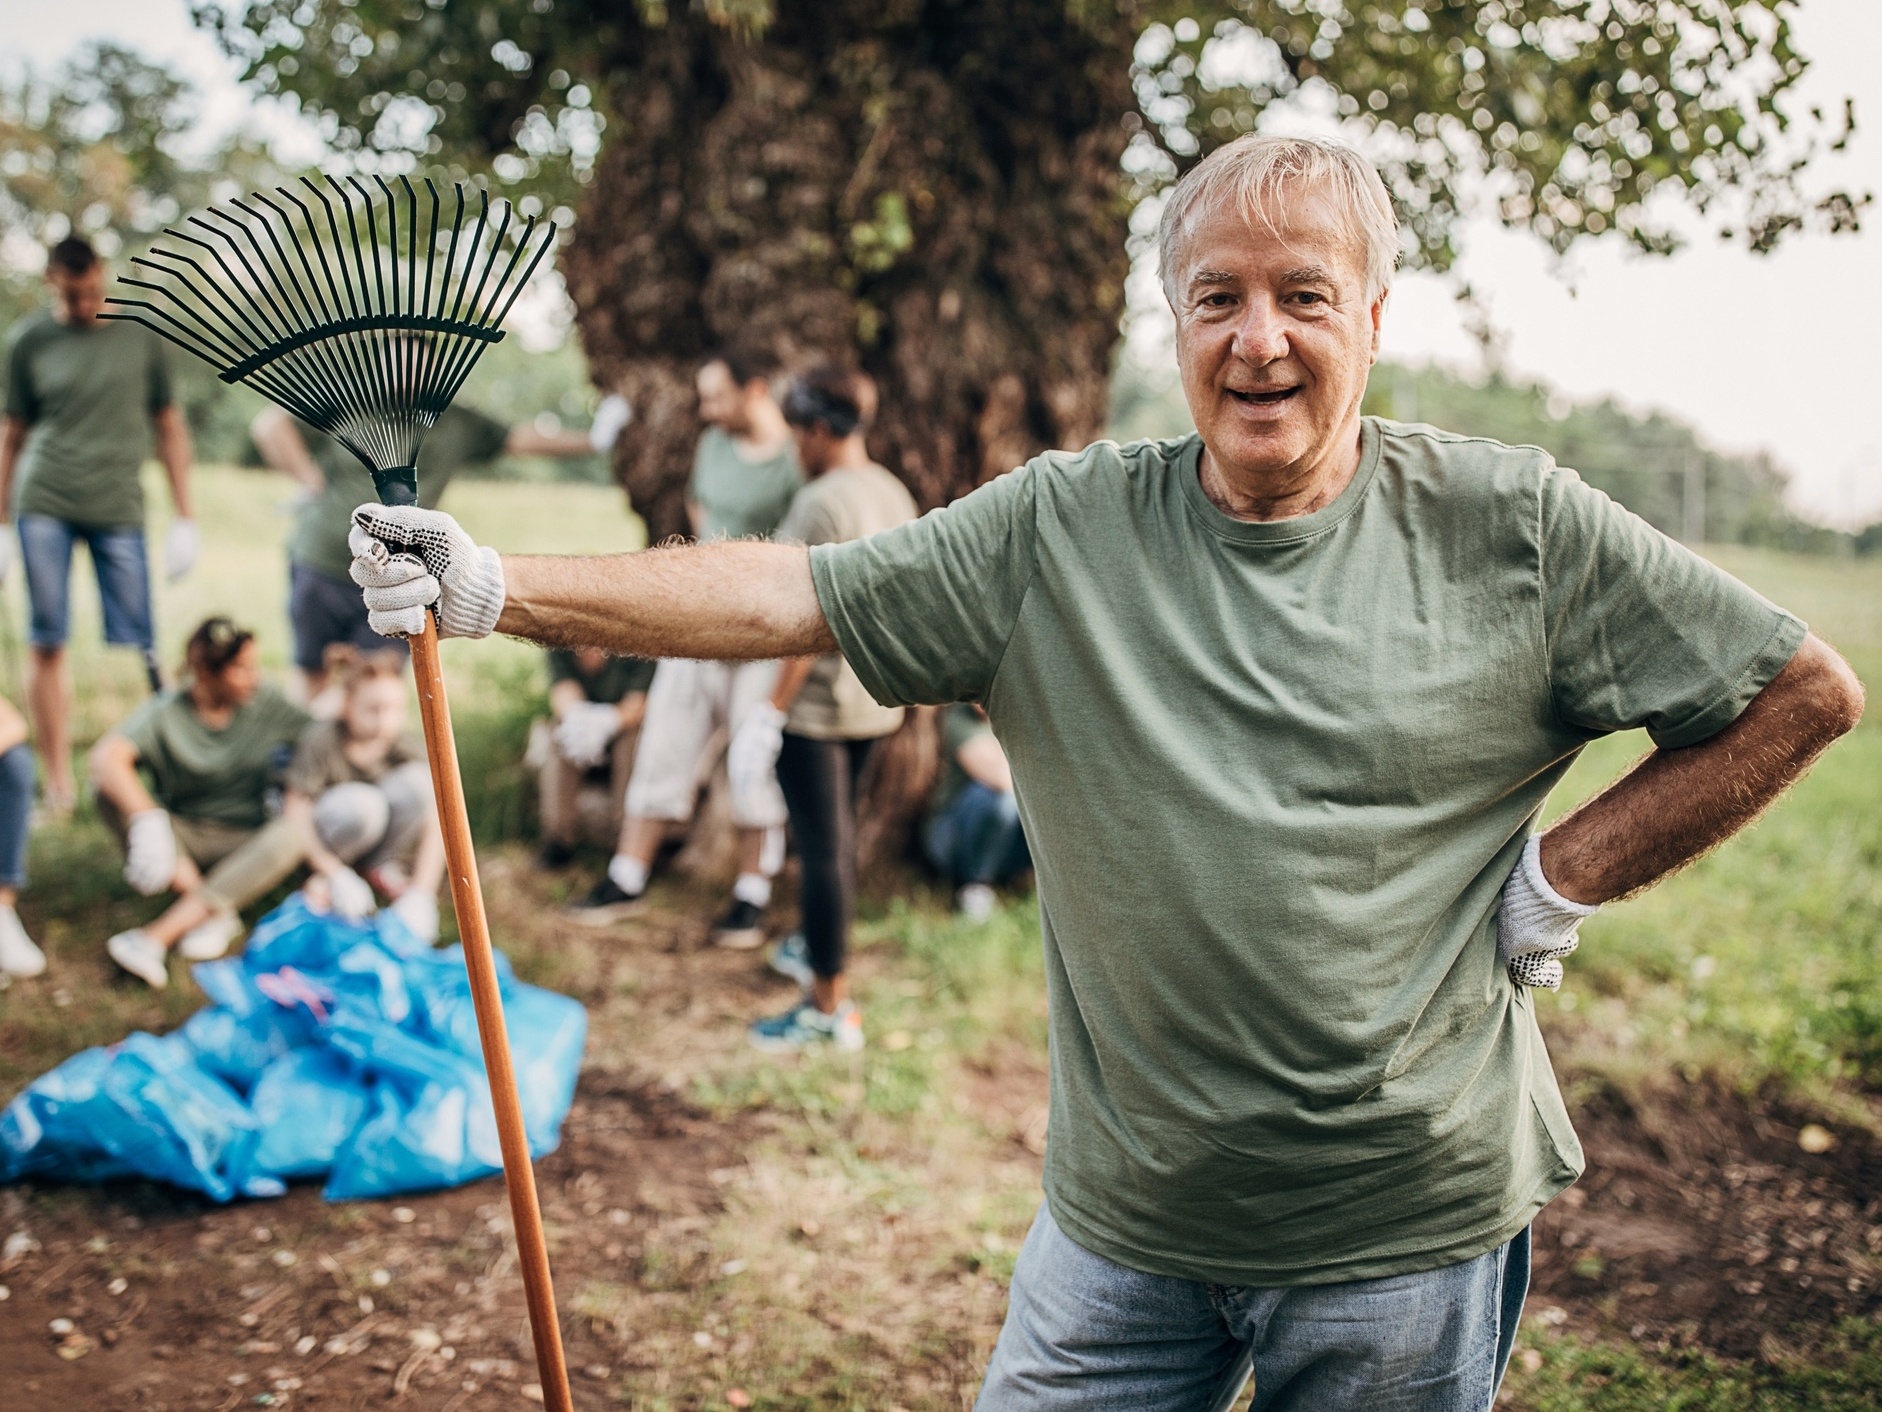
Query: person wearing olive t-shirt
[596,703]
[973,833]
[1301,1112]
[323,606]
[83,395]
[187,783]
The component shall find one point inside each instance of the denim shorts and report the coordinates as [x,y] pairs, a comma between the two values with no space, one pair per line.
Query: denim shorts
[117,556]
[326,610]
[1085,1333]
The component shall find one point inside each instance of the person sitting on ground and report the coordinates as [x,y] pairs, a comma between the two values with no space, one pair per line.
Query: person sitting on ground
[212,749]
[973,832]
[325,608]
[18,955]
[820,725]
[596,703]
[359,794]
[745,472]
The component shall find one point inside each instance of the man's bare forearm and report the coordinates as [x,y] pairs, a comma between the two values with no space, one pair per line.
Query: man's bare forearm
[176,453]
[730,601]
[1676,805]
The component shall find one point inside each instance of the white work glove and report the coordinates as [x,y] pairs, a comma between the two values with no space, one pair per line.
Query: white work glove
[149,852]
[351,895]
[407,559]
[611,419]
[419,911]
[583,735]
[753,753]
[181,546]
[6,552]
[1535,925]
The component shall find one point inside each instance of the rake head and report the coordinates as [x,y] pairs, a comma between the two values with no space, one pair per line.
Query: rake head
[361,314]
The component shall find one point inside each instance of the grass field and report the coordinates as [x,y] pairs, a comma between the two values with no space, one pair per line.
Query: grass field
[837,1233]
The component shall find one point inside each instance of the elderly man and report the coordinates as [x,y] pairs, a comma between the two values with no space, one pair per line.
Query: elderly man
[1302,1116]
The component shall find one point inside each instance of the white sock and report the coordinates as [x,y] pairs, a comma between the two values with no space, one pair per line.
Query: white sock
[629,874]
[754,888]
[771,852]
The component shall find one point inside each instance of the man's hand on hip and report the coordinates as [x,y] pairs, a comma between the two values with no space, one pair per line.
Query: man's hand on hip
[1535,925]
[408,560]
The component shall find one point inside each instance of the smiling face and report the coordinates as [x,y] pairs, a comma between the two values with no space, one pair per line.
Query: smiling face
[1275,334]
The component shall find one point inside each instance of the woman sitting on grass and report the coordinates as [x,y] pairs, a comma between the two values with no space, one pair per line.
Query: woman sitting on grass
[186,783]
[18,955]
[359,795]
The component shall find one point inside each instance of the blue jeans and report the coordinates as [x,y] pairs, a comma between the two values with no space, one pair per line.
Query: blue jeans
[1084,1333]
[117,557]
[977,838]
[16,805]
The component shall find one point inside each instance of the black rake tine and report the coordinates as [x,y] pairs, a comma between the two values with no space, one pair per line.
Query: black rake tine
[548,242]
[347,355]
[183,340]
[352,301]
[374,346]
[490,260]
[431,247]
[209,335]
[288,296]
[241,331]
[331,358]
[471,349]
[286,322]
[470,257]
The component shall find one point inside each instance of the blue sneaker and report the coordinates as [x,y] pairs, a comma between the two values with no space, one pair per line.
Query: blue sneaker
[790,958]
[804,1026]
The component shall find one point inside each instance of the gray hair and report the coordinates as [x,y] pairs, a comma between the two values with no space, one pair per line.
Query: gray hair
[1249,174]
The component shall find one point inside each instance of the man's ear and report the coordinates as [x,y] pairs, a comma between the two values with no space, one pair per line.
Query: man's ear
[1377,314]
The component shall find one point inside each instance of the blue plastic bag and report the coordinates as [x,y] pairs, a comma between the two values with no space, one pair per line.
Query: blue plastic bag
[330,1047]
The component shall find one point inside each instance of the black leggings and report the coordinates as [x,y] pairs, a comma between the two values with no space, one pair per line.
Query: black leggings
[819,779]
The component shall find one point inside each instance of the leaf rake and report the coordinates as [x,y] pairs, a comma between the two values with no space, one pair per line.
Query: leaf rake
[365,325]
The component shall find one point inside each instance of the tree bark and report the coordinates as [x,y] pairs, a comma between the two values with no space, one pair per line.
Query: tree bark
[930,189]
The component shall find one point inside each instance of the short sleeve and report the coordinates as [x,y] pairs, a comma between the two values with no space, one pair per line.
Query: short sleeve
[1643,632]
[924,611]
[158,393]
[22,398]
[307,772]
[143,729]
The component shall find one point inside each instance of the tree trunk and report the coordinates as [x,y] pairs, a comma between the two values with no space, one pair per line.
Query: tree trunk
[937,197]
[932,190]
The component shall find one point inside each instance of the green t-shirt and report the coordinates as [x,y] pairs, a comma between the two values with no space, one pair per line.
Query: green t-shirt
[740,498]
[1274,776]
[960,723]
[219,777]
[618,679]
[88,391]
[461,438]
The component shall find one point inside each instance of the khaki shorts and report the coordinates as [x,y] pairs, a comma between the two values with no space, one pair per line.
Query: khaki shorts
[692,710]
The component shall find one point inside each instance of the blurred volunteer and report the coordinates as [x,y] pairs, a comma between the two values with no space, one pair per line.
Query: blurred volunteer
[359,794]
[973,833]
[1283,700]
[596,704]
[323,607]
[83,395]
[745,472]
[820,724]
[188,785]
[19,956]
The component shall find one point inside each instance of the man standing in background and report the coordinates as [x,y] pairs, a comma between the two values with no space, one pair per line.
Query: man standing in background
[745,473]
[82,396]
[323,604]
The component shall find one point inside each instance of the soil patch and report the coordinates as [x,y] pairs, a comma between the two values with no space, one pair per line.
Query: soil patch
[175,1304]
[1702,1223]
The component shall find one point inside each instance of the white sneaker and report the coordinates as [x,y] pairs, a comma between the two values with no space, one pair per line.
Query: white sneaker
[18,955]
[419,911]
[140,954]
[976,902]
[206,941]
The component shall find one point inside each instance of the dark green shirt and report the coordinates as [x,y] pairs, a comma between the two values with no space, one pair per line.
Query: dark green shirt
[461,438]
[218,776]
[1274,776]
[740,498]
[88,391]
[618,679]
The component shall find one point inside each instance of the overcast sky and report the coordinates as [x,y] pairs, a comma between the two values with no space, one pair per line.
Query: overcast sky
[1771,352]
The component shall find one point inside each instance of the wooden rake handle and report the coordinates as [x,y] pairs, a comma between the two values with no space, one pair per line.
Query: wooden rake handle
[474,930]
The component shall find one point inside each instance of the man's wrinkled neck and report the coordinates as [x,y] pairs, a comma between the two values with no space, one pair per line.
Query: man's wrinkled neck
[1287,492]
